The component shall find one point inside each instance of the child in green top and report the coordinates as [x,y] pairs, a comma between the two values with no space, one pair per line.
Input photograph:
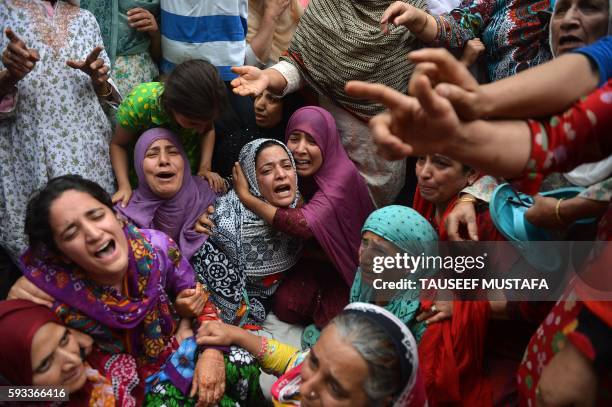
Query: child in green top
[191,98]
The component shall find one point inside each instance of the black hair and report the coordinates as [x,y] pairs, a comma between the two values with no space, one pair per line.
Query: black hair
[37,225]
[195,90]
[265,145]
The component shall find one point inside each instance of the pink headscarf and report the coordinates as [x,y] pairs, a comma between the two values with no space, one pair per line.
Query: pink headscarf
[342,202]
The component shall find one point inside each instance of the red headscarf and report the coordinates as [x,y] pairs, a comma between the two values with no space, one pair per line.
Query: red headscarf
[19,322]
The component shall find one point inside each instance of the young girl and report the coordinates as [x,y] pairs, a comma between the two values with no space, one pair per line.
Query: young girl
[191,98]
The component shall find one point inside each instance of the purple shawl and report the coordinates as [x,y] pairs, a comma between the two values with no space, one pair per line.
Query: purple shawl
[338,209]
[175,216]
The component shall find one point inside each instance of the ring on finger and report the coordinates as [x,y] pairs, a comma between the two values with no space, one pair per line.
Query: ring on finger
[433,308]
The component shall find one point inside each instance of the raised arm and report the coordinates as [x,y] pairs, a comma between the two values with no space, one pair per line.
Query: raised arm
[527,94]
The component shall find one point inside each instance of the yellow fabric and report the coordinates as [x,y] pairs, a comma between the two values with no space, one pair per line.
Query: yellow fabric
[279,357]
[284,30]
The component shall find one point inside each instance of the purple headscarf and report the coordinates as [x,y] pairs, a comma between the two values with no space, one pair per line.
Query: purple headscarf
[175,216]
[338,209]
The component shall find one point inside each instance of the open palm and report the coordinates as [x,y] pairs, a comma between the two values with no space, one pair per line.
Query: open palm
[251,82]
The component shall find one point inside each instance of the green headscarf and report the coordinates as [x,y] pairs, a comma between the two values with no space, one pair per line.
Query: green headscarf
[411,233]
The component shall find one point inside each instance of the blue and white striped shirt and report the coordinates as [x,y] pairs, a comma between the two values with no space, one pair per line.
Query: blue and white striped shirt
[214,30]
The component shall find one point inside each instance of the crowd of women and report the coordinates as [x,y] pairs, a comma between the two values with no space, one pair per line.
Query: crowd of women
[193,195]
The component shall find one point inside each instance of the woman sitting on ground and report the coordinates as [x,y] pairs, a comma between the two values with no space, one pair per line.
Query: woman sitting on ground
[366,356]
[388,231]
[36,349]
[337,202]
[471,326]
[106,278]
[232,263]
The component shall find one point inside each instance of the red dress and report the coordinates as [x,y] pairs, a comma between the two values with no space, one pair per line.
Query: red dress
[581,134]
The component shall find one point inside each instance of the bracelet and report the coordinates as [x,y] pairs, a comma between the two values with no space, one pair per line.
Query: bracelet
[110,91]
[558,212]
[467,198]
[263,350]
[423,26]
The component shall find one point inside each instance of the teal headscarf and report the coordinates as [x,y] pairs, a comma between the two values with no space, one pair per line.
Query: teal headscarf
[411,233]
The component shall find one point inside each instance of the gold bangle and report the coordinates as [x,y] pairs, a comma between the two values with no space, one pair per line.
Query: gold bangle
[558,211]
[467,198]
[110,91]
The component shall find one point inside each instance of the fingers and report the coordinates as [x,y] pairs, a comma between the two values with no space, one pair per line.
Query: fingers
[454,71]
[472,228]
[452,228]
[123,197]
[93,56]
[437,317]
[75,64]
[201,228]
[388,16]
[376,92]
[430,101]
[389,146]
[194,384]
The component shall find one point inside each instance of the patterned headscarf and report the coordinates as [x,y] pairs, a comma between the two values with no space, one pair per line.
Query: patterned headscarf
[143,318]
[244,237]
[341,40]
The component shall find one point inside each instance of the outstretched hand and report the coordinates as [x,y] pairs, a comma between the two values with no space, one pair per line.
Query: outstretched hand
[251,82]
[94,67]
[421,125]
[451,79]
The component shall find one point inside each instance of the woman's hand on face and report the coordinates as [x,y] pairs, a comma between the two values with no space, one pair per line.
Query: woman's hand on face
[17,58]
[209,378]
[543,213]
[241,185]
[190,302]
[251,82]
[122,195]
[398,13]
[439,311]
[95,68]
[463,213]
[142,20]
[215,333]
[569,379]
[216,182]
[204,224]
[24,289]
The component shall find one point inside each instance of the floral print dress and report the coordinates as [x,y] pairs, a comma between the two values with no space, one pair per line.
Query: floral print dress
[57,125]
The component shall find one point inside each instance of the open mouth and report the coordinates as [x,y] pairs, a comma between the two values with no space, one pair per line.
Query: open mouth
[302,163]
[106,250]
[165,175]
[570,41]
[282,189]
